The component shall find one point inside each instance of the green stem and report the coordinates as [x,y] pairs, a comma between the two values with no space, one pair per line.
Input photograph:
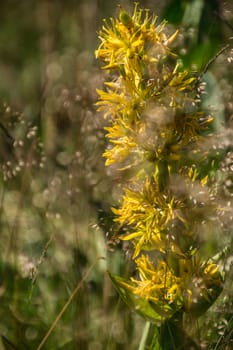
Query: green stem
[173,336]
[150,337]
[144,336]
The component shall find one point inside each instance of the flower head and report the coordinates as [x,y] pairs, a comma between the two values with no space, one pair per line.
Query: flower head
[157,283]
[148,214]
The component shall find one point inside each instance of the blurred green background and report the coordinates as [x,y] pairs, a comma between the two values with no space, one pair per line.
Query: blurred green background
[55,192]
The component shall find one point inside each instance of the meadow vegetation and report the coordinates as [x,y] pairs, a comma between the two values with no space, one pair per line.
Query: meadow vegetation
[67,218]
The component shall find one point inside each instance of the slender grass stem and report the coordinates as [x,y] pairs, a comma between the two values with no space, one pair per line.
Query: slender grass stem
[42,343]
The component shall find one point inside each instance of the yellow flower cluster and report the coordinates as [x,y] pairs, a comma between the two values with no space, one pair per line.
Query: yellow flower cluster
[154,117]
[158,285]
[150,213]
[151,104]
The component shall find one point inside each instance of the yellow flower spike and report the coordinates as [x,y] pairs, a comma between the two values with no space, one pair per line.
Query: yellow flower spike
[154,118]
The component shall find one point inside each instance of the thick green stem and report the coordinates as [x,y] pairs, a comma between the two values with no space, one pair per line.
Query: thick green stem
[173,337]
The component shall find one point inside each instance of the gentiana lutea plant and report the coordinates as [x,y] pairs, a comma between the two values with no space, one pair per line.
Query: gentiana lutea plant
[156,131]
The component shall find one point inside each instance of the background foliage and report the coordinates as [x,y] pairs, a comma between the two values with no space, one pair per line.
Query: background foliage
[55,192]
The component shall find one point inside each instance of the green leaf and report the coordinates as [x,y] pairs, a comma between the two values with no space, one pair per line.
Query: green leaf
[151,311]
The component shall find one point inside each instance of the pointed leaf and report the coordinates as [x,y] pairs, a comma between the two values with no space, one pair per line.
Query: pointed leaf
[151,311]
